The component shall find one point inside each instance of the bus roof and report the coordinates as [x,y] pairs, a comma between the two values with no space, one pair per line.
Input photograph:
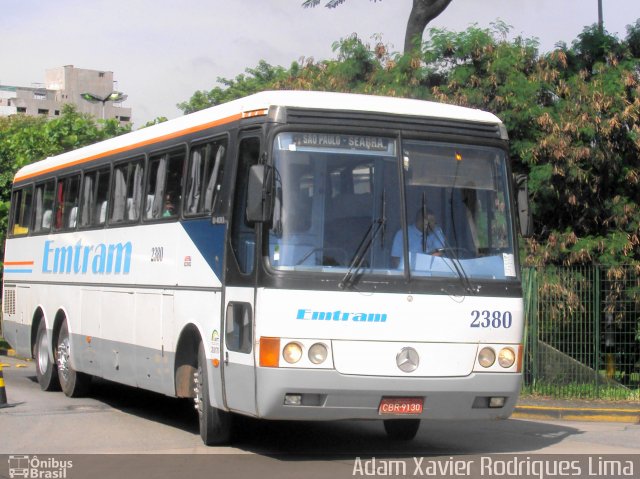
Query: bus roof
[247,107]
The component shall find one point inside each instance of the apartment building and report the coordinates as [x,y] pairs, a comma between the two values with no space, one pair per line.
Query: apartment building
[64,85]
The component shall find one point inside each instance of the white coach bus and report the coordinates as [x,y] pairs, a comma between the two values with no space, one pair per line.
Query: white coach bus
[289,255]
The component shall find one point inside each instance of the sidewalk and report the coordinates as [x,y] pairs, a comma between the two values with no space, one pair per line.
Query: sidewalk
[541,408]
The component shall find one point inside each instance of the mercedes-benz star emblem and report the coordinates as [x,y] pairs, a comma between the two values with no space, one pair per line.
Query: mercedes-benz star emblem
[408,360]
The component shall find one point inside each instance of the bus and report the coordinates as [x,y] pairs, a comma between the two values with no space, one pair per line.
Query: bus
[288,255]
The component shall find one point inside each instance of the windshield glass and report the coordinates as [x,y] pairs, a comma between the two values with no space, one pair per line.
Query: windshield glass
[338,204]
[457,212]
[331,192]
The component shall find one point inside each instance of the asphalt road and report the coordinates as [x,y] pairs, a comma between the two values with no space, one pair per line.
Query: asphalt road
[116,419]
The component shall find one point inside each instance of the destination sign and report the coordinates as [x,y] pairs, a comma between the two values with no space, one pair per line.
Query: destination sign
[343,142]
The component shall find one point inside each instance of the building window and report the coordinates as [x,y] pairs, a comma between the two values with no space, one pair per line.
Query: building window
[21,109]
[56,112]
[43,111]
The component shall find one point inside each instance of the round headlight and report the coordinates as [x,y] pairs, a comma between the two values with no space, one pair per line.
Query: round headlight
[317,353]
[292,353]
[506,357]
[487,357]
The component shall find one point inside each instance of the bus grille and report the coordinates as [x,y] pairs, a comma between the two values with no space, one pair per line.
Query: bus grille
[9,301]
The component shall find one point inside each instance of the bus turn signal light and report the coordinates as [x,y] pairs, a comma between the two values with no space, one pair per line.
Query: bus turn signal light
[269,352]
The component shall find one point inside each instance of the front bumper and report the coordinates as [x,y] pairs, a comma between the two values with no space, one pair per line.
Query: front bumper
[329,395]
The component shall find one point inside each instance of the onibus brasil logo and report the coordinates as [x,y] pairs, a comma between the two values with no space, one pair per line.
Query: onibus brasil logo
[36,468]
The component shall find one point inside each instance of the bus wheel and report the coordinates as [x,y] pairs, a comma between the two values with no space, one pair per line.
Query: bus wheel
[215,424]
[46,370]
[401,429]
[73,383]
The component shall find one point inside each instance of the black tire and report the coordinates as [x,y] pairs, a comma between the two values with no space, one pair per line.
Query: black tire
[73,383]
[215,424]
[46,370]
[401,429]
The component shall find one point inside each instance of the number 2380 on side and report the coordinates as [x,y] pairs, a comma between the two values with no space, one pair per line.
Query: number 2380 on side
[491,319]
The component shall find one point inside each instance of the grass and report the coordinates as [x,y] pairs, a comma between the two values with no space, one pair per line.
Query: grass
[581,391]
[4,344]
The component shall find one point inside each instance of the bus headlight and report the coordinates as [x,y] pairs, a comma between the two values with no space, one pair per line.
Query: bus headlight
[506,357]
[292,353]
[486,357]
[317,353]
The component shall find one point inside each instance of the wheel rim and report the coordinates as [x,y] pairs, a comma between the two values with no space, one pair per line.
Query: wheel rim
[198,398]
[63,358]
[43,353]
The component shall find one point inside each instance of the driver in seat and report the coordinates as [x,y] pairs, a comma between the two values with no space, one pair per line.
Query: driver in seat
[424,225]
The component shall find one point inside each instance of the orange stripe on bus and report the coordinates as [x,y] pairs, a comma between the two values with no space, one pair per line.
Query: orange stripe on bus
[18,263]
[123,149]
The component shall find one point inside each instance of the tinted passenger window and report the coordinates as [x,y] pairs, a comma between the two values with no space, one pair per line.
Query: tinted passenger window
[21,211]
[127,192]
[164,185]
[67,194]
[44,207]
[204,180]
[94,197]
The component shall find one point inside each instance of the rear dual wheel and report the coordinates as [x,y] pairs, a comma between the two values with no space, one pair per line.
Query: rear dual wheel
[46,370]
[72,382]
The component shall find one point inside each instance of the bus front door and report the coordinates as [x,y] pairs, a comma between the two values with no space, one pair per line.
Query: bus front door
[238,347]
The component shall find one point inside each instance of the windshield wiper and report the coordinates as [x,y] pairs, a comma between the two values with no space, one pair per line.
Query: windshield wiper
[376,226]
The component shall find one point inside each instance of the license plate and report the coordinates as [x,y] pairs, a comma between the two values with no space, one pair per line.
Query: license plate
[400,406]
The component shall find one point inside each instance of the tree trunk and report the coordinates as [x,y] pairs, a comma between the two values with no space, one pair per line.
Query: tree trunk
[422,13]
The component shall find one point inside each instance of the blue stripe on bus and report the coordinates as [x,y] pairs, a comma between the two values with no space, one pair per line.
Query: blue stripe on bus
[18,271]
[209,239]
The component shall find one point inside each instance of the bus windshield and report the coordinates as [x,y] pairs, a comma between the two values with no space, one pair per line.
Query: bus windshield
[339,205]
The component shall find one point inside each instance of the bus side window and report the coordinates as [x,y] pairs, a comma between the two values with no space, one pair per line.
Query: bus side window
[44,207]
[126,192]
[204,180]
[238,327]
[67,193]
[21,211]
[94,197]
[163,196]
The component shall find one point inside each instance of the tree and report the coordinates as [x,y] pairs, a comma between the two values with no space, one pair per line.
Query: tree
[573,117]
[422,12]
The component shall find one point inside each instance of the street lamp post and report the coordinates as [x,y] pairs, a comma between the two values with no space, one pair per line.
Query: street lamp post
[114,96]
[600,19]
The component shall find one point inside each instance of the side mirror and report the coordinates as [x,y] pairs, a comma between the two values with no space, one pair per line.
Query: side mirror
[522,201]
[259,194]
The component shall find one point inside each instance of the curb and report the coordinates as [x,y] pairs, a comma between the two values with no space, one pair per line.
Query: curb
[577,414]
[7,352]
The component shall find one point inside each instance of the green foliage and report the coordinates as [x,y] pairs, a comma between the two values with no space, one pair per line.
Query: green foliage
[573,117]
[156,121]
[633,39]
[242,85]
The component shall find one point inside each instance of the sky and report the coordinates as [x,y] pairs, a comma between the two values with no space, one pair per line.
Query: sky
[162,51]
